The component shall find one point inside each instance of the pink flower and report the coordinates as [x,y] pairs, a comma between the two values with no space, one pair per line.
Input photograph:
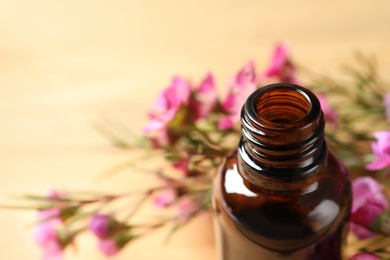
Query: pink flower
[369,201]
[227,122]
[186,207]
[166,109]
[109,247]
[184,166]
[281,66]
[112,235]
[172,188]
[243,84]
[386,101]
[50,226]
[181,165]
[329,113]
[100,225]
[366,189]
[47,236]
[364,256]
[381,149]
[365,217]
[205,98]
[165,198]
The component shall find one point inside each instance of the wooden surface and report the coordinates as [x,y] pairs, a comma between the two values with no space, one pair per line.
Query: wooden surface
[67,64]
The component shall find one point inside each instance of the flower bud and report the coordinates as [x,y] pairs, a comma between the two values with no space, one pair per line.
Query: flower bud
[100,225]
[108,247]
[367,214]
[112,246]
[165,198]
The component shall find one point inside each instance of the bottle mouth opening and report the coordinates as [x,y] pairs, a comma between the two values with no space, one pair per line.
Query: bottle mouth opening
[283,105]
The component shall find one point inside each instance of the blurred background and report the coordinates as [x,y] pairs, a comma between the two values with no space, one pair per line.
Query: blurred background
[65,65]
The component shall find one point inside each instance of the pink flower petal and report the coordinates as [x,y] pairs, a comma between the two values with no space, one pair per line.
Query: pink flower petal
[381,161]
[329,113]
[230,103]
[383,138]
[364,256]
[108,247]
[225,123]
[54,253]
[281,67]
[279,59]
[366,189]
[360,231]
[46,236]
[165,198]
[205,98]
[246,75]
[180,88]
[45,233]
[182,166]
[369,201]
[166,108]
[243,84]
[367,214]
[381,150]
[154,125]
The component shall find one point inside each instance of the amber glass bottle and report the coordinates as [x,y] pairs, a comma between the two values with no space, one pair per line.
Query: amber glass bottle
[281,194]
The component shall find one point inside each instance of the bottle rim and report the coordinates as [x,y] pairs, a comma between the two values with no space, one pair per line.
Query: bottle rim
[300,94]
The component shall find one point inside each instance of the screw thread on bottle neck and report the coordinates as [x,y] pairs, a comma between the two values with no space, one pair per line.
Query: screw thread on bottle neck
[282,137]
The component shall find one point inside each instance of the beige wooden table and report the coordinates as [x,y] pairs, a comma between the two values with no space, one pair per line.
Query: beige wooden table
[67,64]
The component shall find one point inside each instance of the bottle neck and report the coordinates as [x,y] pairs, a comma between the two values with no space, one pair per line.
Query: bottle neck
[282,145]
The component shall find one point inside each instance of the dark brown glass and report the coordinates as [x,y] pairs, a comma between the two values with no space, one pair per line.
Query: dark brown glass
[281,194]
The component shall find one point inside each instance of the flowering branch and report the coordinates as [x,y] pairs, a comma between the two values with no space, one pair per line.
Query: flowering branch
[193,129]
